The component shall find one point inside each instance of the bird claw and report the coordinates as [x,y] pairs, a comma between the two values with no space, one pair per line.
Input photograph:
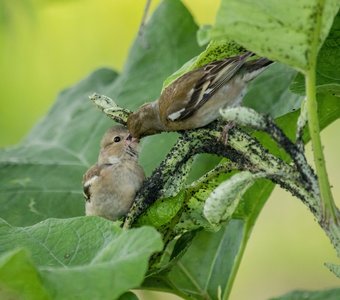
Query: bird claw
[225,132]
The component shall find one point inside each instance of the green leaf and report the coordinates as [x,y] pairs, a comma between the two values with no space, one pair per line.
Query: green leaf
[222,202]
[128,296]
[162,211]
[209,267]
[192,217]
[269,92]
[85,257]
[328,112]
[203,271]
[328,65]
[141,80]
[116,268]
[284,31]
[216,252]
[147,67]
[187,271]
[330,294]
[19,278]
[41,177]
[216,50]
[55,242]
[334,268]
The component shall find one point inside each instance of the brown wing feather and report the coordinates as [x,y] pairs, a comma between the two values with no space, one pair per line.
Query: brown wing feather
[192,90]
[91,173]
[178,93]
[216,75]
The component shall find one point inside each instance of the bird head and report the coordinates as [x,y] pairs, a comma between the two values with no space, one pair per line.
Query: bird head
[145,121]
[117,143]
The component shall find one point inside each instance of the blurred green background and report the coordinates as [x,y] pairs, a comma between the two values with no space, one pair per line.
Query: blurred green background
[48,45]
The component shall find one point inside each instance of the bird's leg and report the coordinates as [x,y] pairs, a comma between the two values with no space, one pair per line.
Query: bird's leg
[225,132]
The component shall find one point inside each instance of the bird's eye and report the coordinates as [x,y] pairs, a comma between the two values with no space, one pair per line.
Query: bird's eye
[117,139]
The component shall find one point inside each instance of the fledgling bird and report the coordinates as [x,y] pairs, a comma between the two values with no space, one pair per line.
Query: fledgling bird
[194,99]
[110,186]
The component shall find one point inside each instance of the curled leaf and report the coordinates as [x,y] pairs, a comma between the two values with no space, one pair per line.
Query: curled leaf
[223,201]
[110,108]
[244,116]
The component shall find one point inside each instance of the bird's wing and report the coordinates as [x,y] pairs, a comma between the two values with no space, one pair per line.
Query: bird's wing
[89,177]
[213,77]
[175,98]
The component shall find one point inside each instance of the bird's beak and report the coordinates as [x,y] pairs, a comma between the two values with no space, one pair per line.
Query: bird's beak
[131,139]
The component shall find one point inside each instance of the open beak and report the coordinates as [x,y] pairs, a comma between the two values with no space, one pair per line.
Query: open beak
[131,139]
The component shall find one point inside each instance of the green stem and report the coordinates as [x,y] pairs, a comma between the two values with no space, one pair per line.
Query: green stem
[329,209]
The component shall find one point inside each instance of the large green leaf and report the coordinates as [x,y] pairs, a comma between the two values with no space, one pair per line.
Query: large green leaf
[19,278]
[85,258]
[202,270]
[116,268]
[41,177]
[328,65]
[269,93]
[166,47]
[55,242]
[284,31]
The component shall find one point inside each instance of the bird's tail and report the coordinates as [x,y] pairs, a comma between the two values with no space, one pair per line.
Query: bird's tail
[254,67]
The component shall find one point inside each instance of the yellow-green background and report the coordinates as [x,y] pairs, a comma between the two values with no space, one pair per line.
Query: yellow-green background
[46,46]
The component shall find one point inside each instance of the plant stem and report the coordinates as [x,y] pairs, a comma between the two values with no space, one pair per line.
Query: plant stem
[329,209]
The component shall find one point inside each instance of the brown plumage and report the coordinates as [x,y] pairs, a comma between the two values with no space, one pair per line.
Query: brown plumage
[111,184]
[194,99]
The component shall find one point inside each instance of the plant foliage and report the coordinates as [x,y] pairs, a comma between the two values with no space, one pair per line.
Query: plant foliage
[90,258]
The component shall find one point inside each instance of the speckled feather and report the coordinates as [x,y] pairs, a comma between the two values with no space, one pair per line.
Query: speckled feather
[194,99]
